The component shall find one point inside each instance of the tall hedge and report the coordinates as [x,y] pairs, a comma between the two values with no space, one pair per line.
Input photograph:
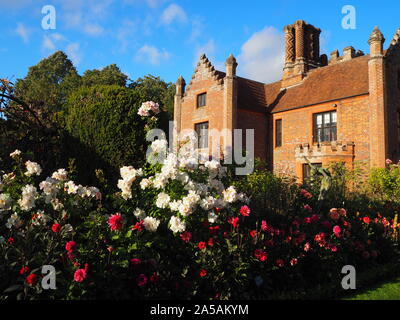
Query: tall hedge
[105,130]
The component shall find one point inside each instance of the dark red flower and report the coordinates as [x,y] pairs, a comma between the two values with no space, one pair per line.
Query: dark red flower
[155,277]
[115,222]
[233,221]
[70,246]
[280,263]
[264,226]
[203,273]
[214,230]
[201,245]
[186,237]
[10,240]
[138,226]
[366,220]
[32,279]
[24,270]
[211,242]
[56,228]
[136,262]
[261,255]
[245,211]
[253,233]
[142,280]
[80,275]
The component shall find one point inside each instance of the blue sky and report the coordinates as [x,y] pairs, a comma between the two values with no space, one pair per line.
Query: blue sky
[166,37]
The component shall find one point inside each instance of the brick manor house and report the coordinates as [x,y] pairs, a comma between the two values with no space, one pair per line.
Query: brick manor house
[344,109]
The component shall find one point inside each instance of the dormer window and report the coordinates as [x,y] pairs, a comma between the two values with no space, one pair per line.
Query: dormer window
[201,100]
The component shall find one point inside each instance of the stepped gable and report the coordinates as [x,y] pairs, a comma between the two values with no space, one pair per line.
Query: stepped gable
[205,70]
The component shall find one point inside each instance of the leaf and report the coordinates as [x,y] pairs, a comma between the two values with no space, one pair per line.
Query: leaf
[15,287]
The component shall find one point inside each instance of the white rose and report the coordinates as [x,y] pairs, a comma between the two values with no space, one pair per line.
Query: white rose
[32,168]
[163,200]
[151,224]
[177,225]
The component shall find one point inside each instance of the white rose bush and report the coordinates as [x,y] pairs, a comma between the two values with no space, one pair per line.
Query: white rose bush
[179,229]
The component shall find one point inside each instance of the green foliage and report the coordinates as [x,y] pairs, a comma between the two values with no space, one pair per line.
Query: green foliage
[104,120]
[269,193]
[48,83]
[154,89]
[110,75]
[385,182]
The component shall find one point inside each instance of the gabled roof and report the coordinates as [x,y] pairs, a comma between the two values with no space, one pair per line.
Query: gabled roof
[332,82]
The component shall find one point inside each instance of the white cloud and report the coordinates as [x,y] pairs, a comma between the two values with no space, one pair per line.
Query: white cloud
[73,52]
[85,15]
[23,32]
[262,56]
[93,29]
[197,29]
[52,41]
[173,13]
[48,44]
[57,41]
[152,55]
[125,34]
[208,49]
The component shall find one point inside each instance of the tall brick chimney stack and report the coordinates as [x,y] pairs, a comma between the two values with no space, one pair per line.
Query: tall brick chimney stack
[377,108]
[302,51]
[180,91]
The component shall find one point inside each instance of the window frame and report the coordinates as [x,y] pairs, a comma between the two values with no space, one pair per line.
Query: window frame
[198,129]
[199,102]
[329,129]
[278,135]
[306,165]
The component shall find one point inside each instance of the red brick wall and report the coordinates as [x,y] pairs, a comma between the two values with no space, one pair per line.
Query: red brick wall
[297,128]
[259,122]
[392,70]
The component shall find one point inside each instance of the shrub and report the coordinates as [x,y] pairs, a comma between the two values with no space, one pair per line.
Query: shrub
[104,126]
[385,182]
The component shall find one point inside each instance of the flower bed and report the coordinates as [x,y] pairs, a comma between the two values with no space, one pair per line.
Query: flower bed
[176,230]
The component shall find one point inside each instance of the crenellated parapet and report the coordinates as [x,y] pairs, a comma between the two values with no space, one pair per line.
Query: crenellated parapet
[348,54]
[324,151]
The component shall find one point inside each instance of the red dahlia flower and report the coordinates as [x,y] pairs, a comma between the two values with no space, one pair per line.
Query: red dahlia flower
[24,270]
[186,237]
[115,222]
[201,245]
[80,275]
[233,221]
[56,228]
[32,279]
[70,246]
[245,211]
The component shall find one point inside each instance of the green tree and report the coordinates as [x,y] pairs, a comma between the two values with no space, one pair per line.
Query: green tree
[158,90]
[48,84]
[110,75]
